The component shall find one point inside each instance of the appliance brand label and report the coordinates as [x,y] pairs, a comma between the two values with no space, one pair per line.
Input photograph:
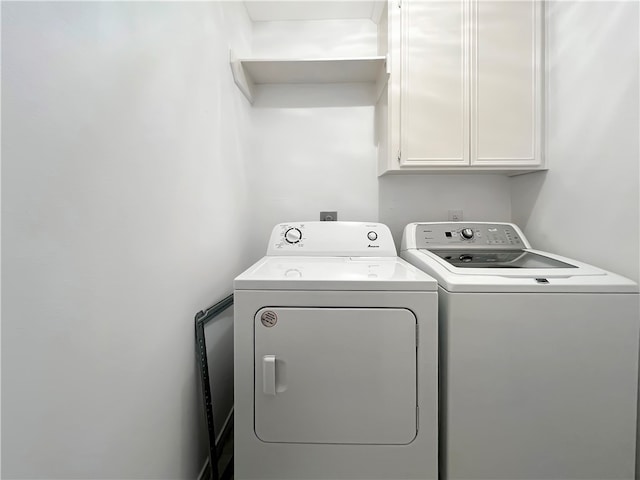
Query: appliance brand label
[269,318]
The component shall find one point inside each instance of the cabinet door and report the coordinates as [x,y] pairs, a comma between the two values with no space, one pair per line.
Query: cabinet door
[506,81]
[335,375]
[434,92]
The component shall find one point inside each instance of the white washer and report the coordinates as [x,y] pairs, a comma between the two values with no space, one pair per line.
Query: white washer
[539,357]
[336,358]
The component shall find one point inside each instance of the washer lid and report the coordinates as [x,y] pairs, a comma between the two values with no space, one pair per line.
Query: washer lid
[334,273]
[518,259]
[545,273]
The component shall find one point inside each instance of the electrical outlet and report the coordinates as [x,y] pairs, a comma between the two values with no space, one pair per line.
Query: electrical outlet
[455,215]
[328,216]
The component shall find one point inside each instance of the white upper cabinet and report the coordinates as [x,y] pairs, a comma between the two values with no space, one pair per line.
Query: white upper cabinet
[466,87]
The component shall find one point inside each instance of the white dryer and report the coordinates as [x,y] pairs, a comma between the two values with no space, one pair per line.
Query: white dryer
[539,357]
[336,358]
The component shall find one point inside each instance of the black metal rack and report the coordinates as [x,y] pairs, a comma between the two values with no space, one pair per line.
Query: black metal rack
[218,471]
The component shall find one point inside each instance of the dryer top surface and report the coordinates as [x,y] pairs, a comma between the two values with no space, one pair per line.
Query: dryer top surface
[334,273]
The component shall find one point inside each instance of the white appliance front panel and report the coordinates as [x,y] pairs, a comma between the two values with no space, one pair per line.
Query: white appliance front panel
[258,460]
[335,375]
[538,386]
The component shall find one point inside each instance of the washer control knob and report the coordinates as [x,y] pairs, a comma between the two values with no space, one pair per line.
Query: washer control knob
[373,236]
[466,233]
[293,235]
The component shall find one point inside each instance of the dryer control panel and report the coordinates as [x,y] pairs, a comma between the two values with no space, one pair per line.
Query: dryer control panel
[332,239]
[465,235]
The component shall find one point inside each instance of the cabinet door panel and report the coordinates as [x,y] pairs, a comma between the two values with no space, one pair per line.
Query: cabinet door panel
[435,83]
[506,91]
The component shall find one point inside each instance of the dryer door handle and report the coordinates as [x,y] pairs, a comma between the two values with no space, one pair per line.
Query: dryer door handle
[269,374]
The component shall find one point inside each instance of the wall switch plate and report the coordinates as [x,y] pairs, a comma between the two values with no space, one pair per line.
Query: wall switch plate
[328,216]
[455,215]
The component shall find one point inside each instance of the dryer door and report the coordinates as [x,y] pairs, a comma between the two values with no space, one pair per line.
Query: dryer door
[335,375]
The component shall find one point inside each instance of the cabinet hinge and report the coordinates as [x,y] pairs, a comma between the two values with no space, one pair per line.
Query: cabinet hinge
[417,335]
[399,155]
[399,3]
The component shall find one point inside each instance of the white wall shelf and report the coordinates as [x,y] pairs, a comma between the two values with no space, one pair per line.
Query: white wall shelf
[247,73]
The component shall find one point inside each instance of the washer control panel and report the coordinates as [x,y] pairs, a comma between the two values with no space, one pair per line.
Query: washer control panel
[462,234]
[357,239]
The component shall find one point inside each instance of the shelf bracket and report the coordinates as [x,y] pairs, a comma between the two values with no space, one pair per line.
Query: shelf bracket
[243,82]
[382,80]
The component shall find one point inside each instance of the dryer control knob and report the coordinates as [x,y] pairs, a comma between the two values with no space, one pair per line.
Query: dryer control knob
[466,233]
[293,235]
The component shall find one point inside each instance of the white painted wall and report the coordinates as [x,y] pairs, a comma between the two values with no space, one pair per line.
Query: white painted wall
[308,160]
[593,147]
[125,168]
[428,198]
[315,38]
[313,145]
